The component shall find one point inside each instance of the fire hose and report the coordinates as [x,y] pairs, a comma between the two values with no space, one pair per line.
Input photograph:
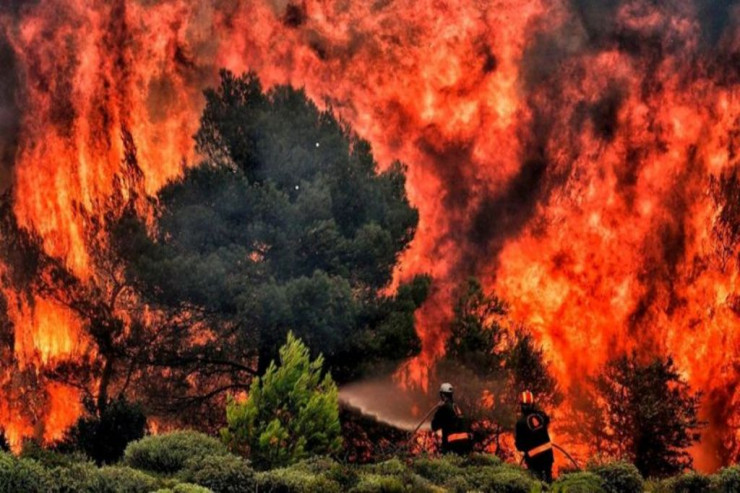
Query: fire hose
[565,453]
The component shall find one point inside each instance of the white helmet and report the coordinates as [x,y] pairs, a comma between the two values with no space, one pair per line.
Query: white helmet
[445,388]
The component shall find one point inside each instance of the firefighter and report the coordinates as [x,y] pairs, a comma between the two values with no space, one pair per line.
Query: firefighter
[449,419]
[533,439]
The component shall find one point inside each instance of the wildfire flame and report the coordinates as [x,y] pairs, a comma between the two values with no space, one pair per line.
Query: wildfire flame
[572,155]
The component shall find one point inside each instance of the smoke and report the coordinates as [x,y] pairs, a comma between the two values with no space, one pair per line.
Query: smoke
[560,151]
[10,113]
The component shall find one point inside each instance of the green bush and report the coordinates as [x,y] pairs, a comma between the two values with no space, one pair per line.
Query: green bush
[169,453]
[76,477]
[291,480]
[50,458]
[478,459]
[23,475]
[458,484]
[327,467]
[691,482]
[502,480]
[222,474]
[120,479]
[438,471]
[728,479]
[376,483]
[185,488]
[407,482]
[292,411]
[620,477]
[579,482]
[384,476]
[388,468]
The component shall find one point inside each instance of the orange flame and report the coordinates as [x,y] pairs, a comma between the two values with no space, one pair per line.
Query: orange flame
[567,163]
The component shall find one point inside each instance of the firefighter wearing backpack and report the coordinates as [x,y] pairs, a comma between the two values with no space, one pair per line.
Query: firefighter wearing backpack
[449,419]
[533,439]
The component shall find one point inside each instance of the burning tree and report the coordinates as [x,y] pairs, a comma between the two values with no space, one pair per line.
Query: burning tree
[493,363]
[642,411]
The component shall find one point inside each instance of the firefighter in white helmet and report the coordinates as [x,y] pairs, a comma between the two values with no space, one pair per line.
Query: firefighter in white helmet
[533,439]
[449,418]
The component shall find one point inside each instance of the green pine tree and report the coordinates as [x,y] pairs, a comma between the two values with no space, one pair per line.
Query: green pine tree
[291,412]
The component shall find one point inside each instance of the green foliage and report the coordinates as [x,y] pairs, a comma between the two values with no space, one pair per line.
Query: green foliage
[579,482]
[290,414]
[73,478]
[345,476]
[116,479]
[376,483]
[185,488]
[191,488]
[50,458]
[649,416]
[171,452]
[391,483]
[221,474]
[22,475]
[438,471]
[619,477]
[691,482]
[287,225]
[482,459]
[728,479]
[291,480]
[503,480]
[104,436]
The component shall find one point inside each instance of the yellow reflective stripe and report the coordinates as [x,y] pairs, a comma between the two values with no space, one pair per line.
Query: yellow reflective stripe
[538,450]
[457,436]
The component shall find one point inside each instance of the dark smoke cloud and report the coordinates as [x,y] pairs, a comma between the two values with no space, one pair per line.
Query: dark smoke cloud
[16,7]
[504,214]
[10,114]
[716,18]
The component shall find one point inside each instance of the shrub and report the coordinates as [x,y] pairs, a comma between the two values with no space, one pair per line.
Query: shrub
[222,474]
[185,488]
[620,477]
[74,478]
[118,479]
[104,436]
[478,459]
[458,484]
[579,482]
[691,482]
[290,480]
[169,453]
[502,480]
[728,479]
[291,413]
[22,475]
[438,471]
[388,468]
[376,483]
[658,486]
[329,468]
[50,458]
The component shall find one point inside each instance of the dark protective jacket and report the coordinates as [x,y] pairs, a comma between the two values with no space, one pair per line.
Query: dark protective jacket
[455,436]
[531,435]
